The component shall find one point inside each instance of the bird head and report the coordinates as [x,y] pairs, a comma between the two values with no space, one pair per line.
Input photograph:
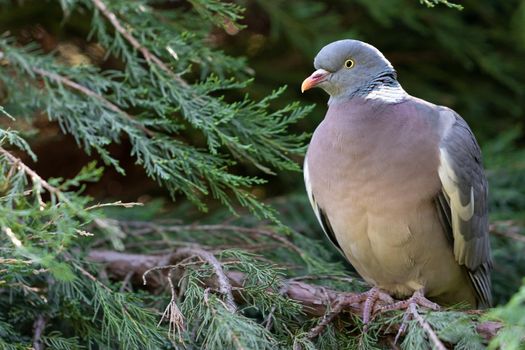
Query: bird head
[346,67]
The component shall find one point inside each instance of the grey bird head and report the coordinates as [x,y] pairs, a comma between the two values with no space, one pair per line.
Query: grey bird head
[348,67]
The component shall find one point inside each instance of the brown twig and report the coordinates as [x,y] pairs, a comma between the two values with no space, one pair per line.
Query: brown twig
[424,324]
[225,287]
[114,204]
[344,301]
[32,174]
[173,314]
[162,267]
[38,329]
[315,299]
[86,273]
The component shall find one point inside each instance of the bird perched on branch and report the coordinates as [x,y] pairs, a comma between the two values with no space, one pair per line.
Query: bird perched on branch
[397,184]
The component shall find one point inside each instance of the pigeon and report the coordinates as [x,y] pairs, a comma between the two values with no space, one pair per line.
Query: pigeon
[397,184]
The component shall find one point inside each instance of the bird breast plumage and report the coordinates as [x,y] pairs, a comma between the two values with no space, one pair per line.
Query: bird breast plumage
[373,171]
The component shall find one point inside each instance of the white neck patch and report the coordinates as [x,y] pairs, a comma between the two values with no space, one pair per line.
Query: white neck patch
[387,93]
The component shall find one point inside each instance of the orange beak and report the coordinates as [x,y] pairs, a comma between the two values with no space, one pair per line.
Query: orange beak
[313,80]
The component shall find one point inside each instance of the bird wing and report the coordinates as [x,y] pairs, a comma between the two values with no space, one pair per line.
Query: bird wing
[462,204]
[319,212]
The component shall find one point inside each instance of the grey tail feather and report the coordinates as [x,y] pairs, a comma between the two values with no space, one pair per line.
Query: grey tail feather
[482,285]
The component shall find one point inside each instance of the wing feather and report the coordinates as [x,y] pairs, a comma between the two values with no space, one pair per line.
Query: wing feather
[462,204]
[321,215]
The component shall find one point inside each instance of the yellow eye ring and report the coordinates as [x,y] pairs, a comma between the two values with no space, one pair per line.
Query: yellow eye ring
[349,63]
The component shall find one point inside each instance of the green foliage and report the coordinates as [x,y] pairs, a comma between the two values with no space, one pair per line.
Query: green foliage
[216,326]
[512,315]
[159,75]
[505,160]
[452,327]
[163,104]
[42,277]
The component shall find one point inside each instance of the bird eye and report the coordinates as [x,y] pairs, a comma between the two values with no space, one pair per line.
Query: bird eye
[349,63]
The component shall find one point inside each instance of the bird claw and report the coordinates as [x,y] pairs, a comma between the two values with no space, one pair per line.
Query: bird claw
[373,297]
[417,299]
[410,306]
[373,300]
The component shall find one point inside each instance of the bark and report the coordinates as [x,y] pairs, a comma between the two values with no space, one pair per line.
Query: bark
[315,299]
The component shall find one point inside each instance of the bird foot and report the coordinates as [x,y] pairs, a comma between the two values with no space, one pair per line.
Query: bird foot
[417,299]
[410,306]
[373,300]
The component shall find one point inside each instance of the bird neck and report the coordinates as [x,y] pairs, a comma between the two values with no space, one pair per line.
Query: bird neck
[384,88]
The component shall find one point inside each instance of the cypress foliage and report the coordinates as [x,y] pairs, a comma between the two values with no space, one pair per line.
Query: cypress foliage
[246,273]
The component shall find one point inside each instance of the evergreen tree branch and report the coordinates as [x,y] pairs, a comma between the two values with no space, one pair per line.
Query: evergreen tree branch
[224,284]
[80,88]
[147,54]
[148,227]
[183,254]
[426,326]
[16,162]
[316,300]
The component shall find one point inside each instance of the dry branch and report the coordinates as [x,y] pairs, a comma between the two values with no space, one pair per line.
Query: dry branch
[428,329]
[16,162]
[224,283]
[38,329]
[316,300]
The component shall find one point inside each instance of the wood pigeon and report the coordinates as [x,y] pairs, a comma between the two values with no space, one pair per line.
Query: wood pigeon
[397,183]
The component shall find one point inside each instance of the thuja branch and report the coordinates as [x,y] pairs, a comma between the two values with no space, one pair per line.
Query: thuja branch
[38,182]
[147,54]
[87,92]
[16,162]
[428,329]
[184,254]
[84,90]
[225,287]
[315,300]
[148,227]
